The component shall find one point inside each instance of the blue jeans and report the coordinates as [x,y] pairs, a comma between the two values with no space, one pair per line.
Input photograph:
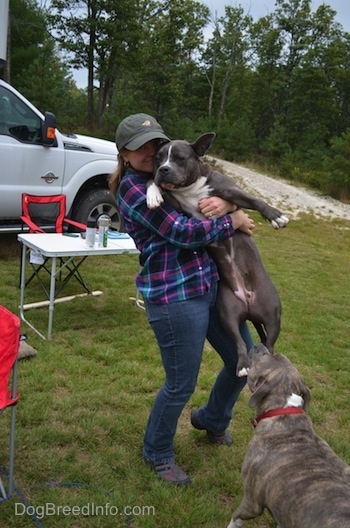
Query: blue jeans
[181,329]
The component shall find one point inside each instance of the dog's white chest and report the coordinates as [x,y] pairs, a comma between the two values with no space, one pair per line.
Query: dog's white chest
[188,197]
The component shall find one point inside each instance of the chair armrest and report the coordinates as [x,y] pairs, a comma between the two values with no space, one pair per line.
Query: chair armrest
[35,228]
[75,224]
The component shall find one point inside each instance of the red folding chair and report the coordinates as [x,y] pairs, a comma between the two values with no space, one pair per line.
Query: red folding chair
[43,214]
[9,345]
[47,214]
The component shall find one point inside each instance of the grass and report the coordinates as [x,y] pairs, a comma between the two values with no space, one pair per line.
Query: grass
[86,396]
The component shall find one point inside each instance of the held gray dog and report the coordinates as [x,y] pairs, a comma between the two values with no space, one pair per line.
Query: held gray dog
[287,468]
[246,291]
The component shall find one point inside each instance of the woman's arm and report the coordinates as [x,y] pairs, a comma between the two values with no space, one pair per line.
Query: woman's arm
[170,225]
[215,207]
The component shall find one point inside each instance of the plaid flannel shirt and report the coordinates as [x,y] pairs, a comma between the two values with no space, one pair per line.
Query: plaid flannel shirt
[173,255]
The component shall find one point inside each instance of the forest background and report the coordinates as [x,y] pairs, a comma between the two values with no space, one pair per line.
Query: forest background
[275,90]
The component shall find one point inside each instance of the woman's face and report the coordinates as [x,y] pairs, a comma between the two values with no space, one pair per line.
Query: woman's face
[142,158]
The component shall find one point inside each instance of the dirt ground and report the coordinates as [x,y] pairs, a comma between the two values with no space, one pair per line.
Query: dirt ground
[291,200]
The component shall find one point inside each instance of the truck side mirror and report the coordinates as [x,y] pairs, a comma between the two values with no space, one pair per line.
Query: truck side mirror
[48,129]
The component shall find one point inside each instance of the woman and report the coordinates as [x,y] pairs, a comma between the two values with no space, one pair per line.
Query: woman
[178,282]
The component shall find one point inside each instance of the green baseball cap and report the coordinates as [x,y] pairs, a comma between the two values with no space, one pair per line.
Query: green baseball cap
[136,130]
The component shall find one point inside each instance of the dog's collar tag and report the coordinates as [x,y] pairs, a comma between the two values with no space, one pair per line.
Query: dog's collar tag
[277,412]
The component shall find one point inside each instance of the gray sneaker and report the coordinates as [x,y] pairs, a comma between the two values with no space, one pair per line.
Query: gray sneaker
[169,472]
[224,438]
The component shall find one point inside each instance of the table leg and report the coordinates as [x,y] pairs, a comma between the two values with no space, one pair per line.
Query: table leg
[52,296]
[55,269]
[23,281]
[22,292]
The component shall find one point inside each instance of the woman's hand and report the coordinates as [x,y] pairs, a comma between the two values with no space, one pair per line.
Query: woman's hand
[215,207]
[242,221]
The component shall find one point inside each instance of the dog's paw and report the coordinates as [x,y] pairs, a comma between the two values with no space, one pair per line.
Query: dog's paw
[154,195]
[243,372]
[280,221]
[238,523]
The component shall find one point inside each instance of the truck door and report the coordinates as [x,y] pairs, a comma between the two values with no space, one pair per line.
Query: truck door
[26,165]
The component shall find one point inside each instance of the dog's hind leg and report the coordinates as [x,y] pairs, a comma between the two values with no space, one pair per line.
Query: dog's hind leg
[272,326]
[230,312]
[246,510]
[235,524]
[265,314]
[261,332]
[242,353]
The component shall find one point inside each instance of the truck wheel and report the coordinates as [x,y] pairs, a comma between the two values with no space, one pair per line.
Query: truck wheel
[94,204]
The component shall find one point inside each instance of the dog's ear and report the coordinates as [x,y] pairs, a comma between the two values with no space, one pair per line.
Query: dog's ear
[306,395]
[201,145]
[260,389]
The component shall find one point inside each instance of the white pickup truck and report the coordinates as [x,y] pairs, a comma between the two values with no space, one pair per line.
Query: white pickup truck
[36,158]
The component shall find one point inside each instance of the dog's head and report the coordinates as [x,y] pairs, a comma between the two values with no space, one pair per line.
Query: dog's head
[274,381]
[177,163]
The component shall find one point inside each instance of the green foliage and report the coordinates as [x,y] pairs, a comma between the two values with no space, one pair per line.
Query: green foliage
[36,69]
[235,139]
[277,89]
[28,36]
[336,176]
[276,144]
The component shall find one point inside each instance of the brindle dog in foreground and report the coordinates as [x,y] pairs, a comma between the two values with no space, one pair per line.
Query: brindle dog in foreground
[287,468]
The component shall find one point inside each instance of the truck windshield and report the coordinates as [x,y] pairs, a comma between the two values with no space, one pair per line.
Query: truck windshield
[17,120]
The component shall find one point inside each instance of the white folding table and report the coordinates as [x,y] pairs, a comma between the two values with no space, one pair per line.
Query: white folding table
[55,246]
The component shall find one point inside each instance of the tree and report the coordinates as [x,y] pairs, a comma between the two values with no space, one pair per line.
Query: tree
[35,68]
[76,24]
[336,164]
[114,39]
[227,56]
[293,61]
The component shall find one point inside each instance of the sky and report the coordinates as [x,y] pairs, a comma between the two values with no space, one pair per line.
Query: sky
[257,9]
[260,8]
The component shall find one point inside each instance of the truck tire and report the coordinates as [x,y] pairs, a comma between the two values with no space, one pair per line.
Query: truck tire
[95,203]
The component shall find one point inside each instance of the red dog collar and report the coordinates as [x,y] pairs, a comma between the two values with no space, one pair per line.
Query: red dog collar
[277,412]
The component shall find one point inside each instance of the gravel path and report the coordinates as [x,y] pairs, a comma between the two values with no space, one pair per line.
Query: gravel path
[281,194]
